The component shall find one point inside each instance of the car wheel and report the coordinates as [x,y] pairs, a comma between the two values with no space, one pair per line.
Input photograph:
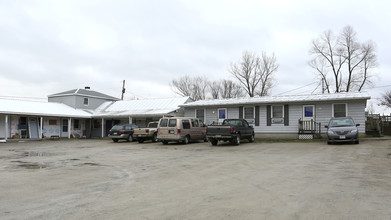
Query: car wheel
[329,142]
[154,138]
[115,140]
[186,140]
[140,140]
[236,140]
[252,138]
[130,138]
[165,142]
[357,142]
[214,142]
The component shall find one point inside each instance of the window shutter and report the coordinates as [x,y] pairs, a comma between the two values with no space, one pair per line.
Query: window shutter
[268,115]
[256,115]
[240,112]
[286,115]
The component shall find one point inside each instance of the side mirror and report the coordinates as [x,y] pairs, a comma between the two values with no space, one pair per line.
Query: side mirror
[357,125]
[326,126]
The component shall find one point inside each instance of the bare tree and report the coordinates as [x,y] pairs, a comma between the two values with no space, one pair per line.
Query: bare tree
[386,99]
[194,87]
[229,89]
[215,89]
[255,73]
[349,62]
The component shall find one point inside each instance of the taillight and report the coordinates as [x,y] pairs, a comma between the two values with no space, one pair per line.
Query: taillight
[110,132]
[206,129]
[178,131]
[232,129]
[122,131]
[157,131]
[146,130]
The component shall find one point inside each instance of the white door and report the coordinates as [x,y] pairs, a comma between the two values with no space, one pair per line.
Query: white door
[222,114]
[64,128]
[308,117]
[33,127]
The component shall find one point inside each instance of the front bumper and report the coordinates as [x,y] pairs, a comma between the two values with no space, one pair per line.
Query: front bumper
[335,138]
[122,136]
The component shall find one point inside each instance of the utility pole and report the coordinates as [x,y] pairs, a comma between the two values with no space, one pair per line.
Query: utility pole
[123,90]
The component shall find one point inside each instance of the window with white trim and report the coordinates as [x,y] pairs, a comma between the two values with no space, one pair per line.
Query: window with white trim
[85,101]
[277,114]
[340,110]
[200,114]
[248,113]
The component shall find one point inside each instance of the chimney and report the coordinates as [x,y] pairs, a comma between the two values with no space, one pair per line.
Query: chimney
[87,87]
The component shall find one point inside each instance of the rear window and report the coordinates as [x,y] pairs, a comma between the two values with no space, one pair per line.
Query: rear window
[152,125]
[117,127]
[163,123]
[172,123]
[186,124]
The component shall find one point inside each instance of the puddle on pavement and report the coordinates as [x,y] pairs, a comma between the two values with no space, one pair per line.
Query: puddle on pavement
[30,166]
[38,154]
[91,164]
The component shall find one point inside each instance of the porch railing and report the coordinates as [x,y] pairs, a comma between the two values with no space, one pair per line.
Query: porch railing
[310,127]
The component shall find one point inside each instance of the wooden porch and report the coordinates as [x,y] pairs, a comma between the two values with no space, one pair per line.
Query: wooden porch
[309,129]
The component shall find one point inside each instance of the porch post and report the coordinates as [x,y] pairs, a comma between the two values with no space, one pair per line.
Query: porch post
[103,127]
[6,127]
[130,120]
[40,128]
[69,128]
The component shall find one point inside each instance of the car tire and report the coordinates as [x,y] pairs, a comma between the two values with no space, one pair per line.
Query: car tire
[130,138]
[186,140]
[329,142]
[154,137]
[357,142]
[214,142]
[252,138]
[115,140]
[165,142]
[236,140]
[140,141]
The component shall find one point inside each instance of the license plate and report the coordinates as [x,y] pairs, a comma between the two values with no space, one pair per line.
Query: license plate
[115,133]
[342,137]
[218,136]
[171,132]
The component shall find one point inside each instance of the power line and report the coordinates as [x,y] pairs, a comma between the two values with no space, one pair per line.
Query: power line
[296,89]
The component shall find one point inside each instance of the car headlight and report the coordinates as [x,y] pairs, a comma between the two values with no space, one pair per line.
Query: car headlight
[353,131]
[330,132]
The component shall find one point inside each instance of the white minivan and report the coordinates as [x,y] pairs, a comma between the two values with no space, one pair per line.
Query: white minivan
[180,129]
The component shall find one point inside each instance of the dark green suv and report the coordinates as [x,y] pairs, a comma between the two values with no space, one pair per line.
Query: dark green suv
[122,132]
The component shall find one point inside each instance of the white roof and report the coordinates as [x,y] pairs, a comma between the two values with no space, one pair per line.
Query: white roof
[281,99]
[20,107]
[147,107]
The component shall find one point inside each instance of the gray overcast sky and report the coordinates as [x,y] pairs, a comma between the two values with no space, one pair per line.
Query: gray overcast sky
[53,46]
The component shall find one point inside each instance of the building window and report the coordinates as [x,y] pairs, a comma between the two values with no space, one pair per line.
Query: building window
[200,114]
[76,124]
[86,101]
[278,114]
[96,124]
[340,110]
[248,113]
[52,122]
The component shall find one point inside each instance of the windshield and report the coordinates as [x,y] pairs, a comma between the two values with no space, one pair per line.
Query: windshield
[346,122]
[117,127]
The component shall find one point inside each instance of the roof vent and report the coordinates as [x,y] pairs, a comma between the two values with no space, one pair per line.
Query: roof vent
[87,87]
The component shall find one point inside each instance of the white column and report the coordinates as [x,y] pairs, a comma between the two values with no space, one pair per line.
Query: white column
[40,128]
[130,120]
[103,127]
[6,127]
[69,128]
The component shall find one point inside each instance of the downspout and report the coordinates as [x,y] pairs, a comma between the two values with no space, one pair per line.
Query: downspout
[103,127]
[69,128]
[40,128]
[6,127]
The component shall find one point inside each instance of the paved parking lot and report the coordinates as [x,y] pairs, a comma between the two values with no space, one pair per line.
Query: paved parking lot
[99,179]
